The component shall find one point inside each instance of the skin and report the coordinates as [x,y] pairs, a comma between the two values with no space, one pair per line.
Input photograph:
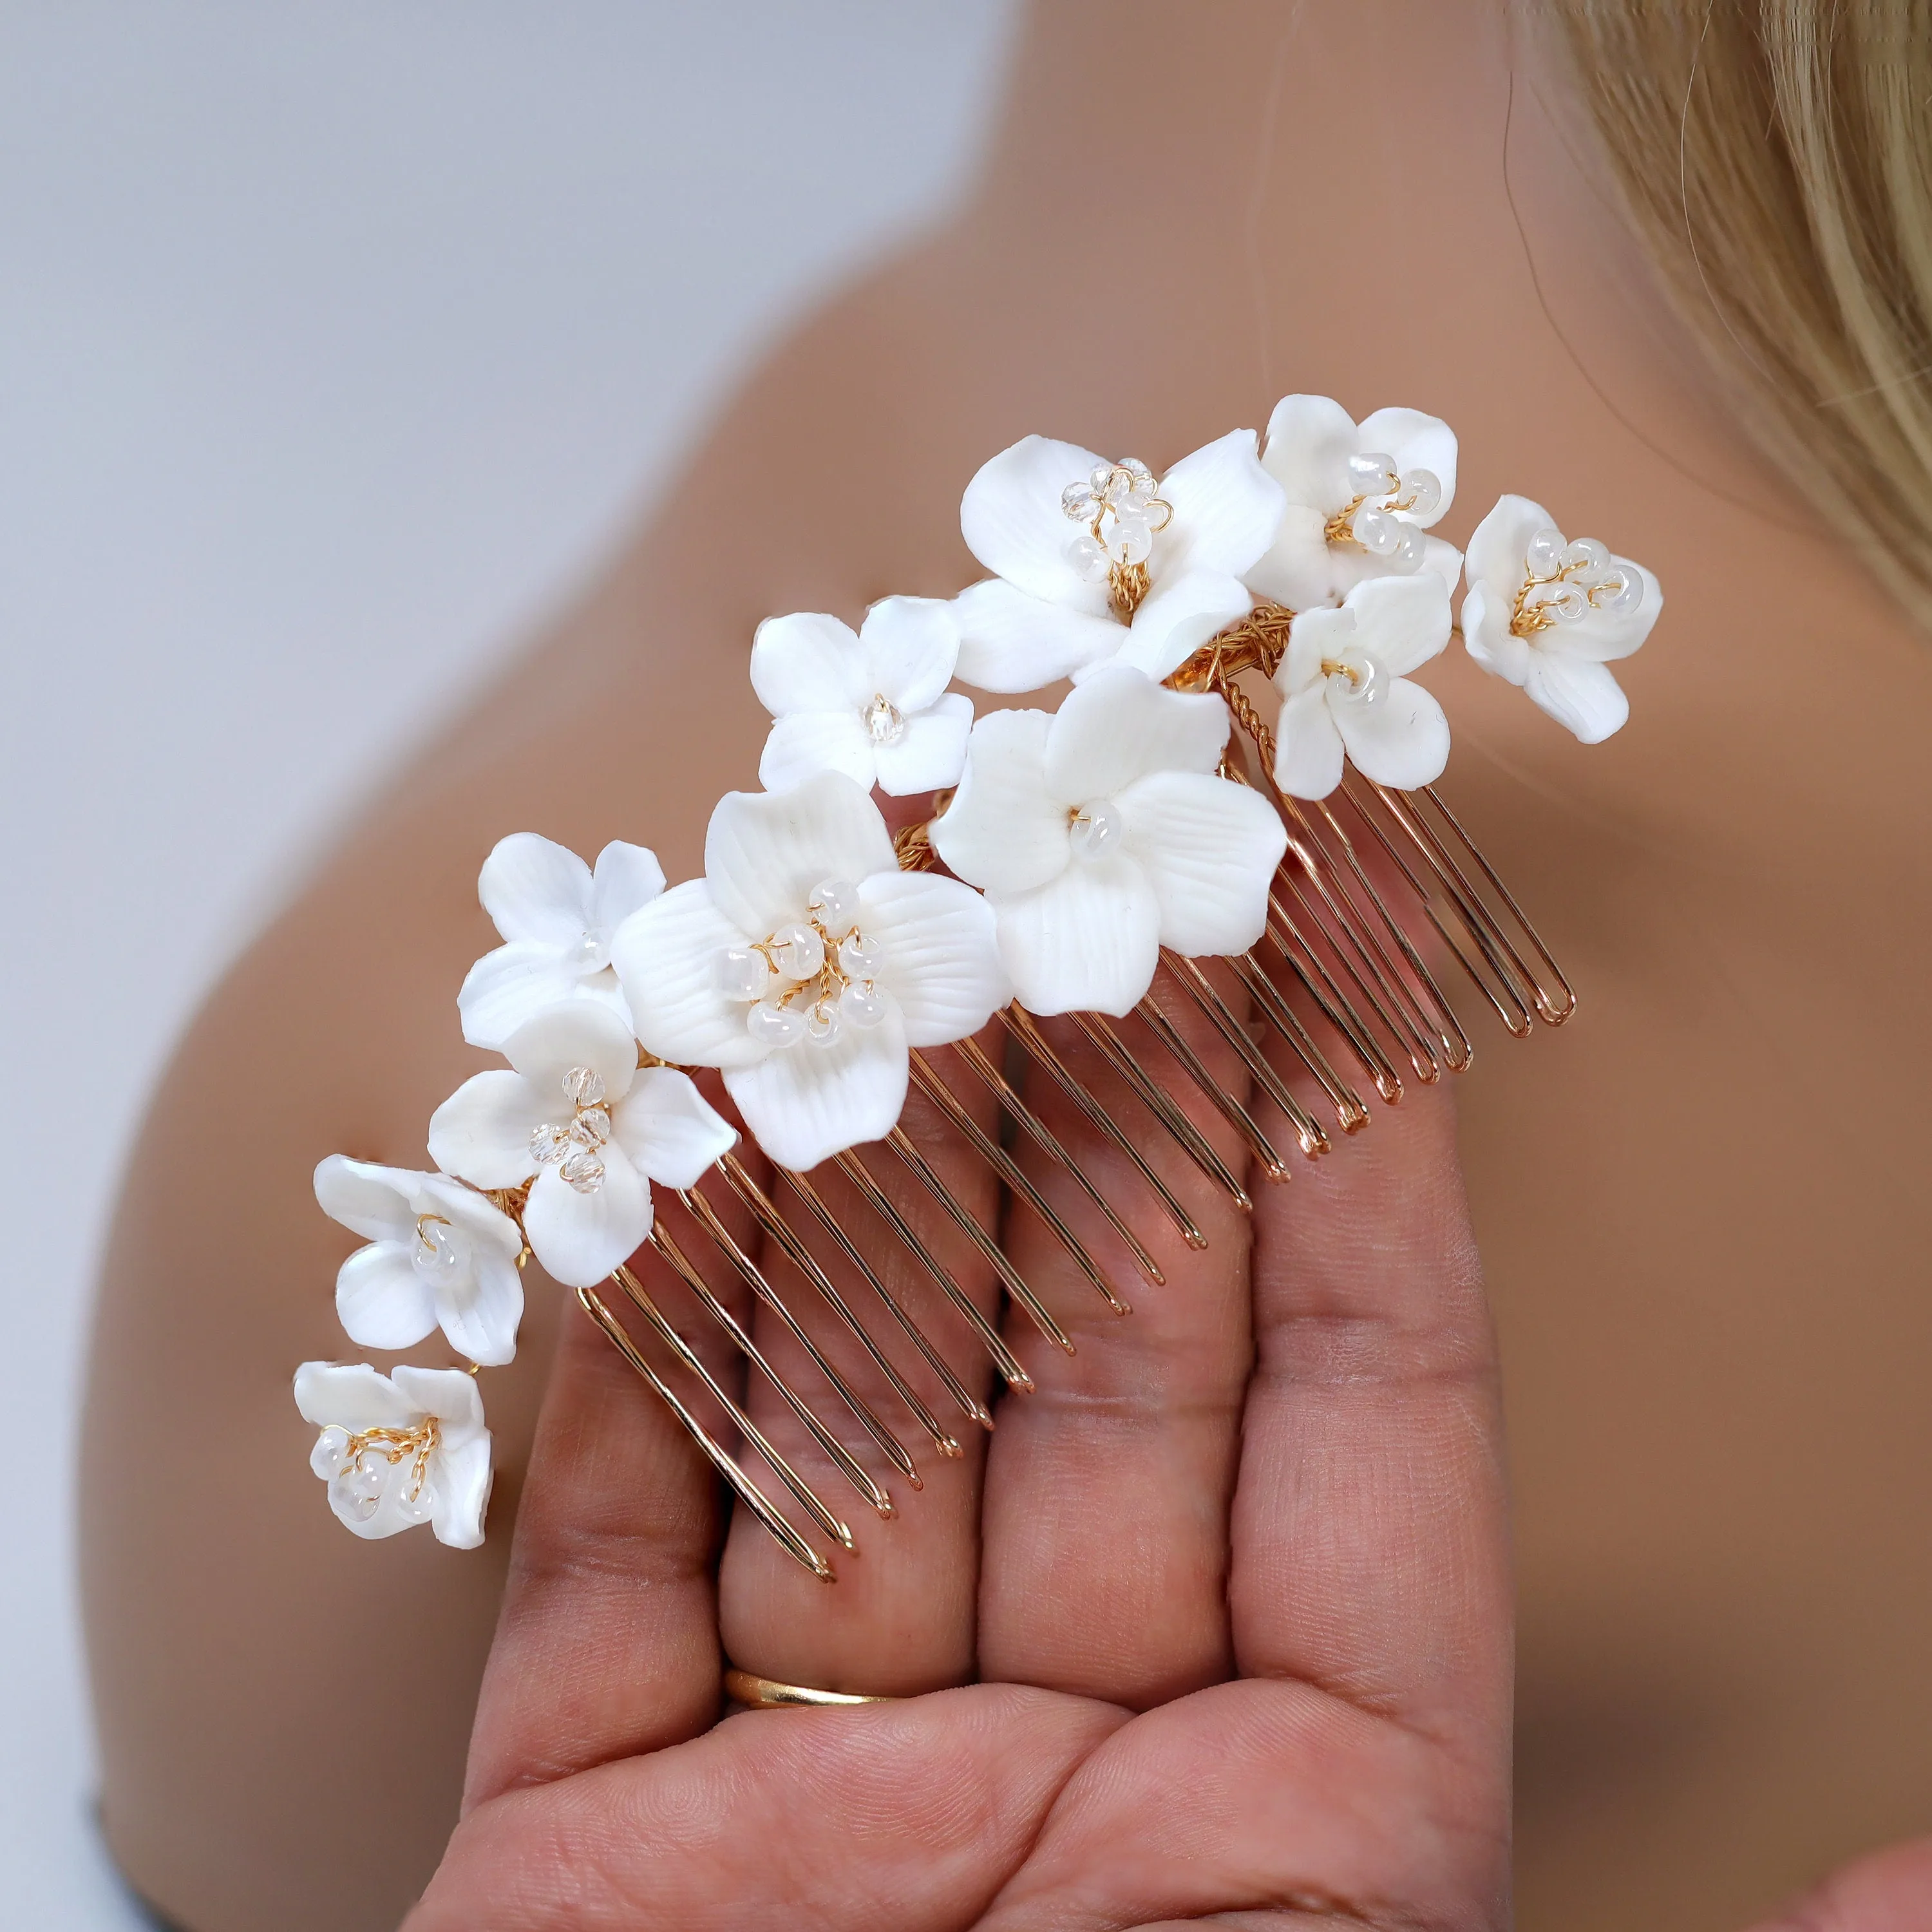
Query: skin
[1235,1576]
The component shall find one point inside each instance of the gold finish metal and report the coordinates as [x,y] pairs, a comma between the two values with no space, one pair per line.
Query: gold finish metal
[767,1693]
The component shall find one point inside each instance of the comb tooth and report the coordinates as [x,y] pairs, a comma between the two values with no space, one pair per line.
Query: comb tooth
[1308,966]
[1192,1141]
[989,1250]
[753,1278]
[1198,1070]
[1346,1102]
[1004,1360]
[1021,1025]
[970,1402]
[847,1464]
[748,1492]
[1043,1137]
[1015,1177]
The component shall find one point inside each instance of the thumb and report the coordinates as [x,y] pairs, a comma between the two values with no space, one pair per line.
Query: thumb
[1890,1891]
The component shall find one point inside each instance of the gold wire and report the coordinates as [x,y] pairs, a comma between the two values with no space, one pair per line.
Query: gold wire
[1349,1110]
[1198,1070]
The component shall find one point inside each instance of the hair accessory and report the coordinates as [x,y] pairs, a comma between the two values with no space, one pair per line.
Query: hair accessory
[1231,822]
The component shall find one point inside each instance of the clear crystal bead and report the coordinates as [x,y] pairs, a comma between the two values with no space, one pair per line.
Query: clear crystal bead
[583,1086]
[1087,558]
[583,1170]
[1372,473]
[800,951]
[772,1024]
[836,903]
[1359,678]
[589,955]
[1077,501]
[861,1003]
[1421,492]
[1544,556]
[1096,828]
[439,1254]
[1376,531]
[325,1458]
[859,957]
[357,1490]
[742,973]
[822,1025]
[591,1128]
[885,724]
[1620,593]
[1099,477]
[1137,470]
[548,1142]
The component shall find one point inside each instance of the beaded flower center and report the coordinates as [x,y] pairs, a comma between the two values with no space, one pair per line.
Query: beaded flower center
[361,1467]
[1121,513]
[1384,515]
[812,978]
[1564,582]
[576,1145]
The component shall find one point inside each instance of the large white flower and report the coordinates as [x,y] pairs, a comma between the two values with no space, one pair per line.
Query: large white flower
[1549,614]
[805,963]
[1100,834]
[871,704]
[1095,559]
[557,916]
[1361,498]
[439,1256]
[575,1114]
[400,1449]
[1343,687]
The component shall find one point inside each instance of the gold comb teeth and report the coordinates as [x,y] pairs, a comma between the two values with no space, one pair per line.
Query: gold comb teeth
[1223,855]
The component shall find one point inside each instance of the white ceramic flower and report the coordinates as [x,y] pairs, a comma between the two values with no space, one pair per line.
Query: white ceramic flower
[1095,559]
[1549,614]
[1361,499]
[557,917]
[805,963]
[400,1449]
[1343,686]
[871,704]
[1100,834]
[574,1115]
[440,1255]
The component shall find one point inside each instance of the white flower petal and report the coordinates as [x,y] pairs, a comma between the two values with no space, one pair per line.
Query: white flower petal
[1402,621]
[369,1200]
[941,951]
[1003,830]
[802,744]
[1087,942]
[510,985]
[1299,571]
[1445,559]
[931,751]
[380,1300]
[626,877]
[1315,637]
[480,1314]
[1209,849]
[1498,545]
[1310,439]
[482,1131]
[807,661]
[1602,635]
[1417,442]
[536,888]
[579,1238]
[764,851]
[1582,697]
[1118,725]
[668,958]
[1401,741]
[462,1477]
[1308,755]
[908,647]
[350,1395]
[803,1104]
[1011,520]
[450,1395]
[488,1227]
[1176,619]
[1011,641]
[1227,509]
[670,1129]
[1487,637]
[578,1032]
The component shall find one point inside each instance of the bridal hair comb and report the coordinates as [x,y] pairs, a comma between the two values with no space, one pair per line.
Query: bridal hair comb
[1229,830]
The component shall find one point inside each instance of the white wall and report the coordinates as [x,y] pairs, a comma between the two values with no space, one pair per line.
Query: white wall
[335,340]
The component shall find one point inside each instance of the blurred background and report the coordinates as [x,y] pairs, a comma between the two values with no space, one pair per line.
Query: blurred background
[335,343]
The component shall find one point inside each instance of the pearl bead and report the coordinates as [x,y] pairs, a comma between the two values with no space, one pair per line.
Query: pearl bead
[419,1507]
[1096,828]
[860,958]
[1086,559]
[800,951]
[1359,678]
[1568,606]
[325,1458]
[1421,490]
[1376,531]
[439,1255]
[1408,552]
[589,955]
[861,1003]
[742,973]
[357,1491]
[771,1024]
[1544,556]
[822,1025]
[836,903]
[1620,592]
[1130,539]
[1585,560]
[1372,473]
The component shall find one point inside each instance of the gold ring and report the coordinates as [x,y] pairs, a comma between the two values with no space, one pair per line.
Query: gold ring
[765,1693]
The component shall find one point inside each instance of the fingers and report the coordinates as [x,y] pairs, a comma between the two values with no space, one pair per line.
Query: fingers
[1890,1891]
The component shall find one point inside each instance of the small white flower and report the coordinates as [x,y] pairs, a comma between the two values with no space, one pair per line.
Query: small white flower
[805,963]
[1548,614]
[558,918]
[575,1111]
[1095,559]
[871,704]
[1360,497]
[1343,687]
[1100,834]
[439,1256]
[400,1449]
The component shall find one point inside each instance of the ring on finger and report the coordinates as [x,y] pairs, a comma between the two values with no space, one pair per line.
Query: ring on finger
[762,1693]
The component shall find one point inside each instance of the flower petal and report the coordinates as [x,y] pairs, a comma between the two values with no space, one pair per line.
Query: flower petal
[764,851]
[482,1132]
[1445,559]
[1402,740]
[807,661]
[804,1104]
[1087,942]
[579,1238]
[1118,725]
[368,1200]
[1209,849]
[1603,635]
[1487,637]
[802,744]
[1308,754]
[536,888]
[1011,641]
[1315,637]
[489,1229]
[380,1300]
[1581,697]
[1003,830]
[670,1129]
[1498,545]
[351,1396]
[1417,442]
[1011,520]
[1227,509]
[1177,618]
[1402,621]
[668,958]
[578,1032]
[932,750]
[480,1316]
[908,648]
[1310,439]
[462,1481]
[941,950]
[450,1395]
[510,985]
[1299,570]
[626,877]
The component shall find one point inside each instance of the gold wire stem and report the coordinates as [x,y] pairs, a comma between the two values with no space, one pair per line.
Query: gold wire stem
[1197,1069]
[1023,1028]
[1043,1137]
[1309,966]
[753,1278]
[847,1464]
[989,1250]
[1015,1177]
[748,1492]
[1349,1110]
[883,1205]
[975,1409]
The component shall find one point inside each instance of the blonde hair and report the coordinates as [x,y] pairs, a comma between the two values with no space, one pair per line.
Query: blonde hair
[1776,155]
